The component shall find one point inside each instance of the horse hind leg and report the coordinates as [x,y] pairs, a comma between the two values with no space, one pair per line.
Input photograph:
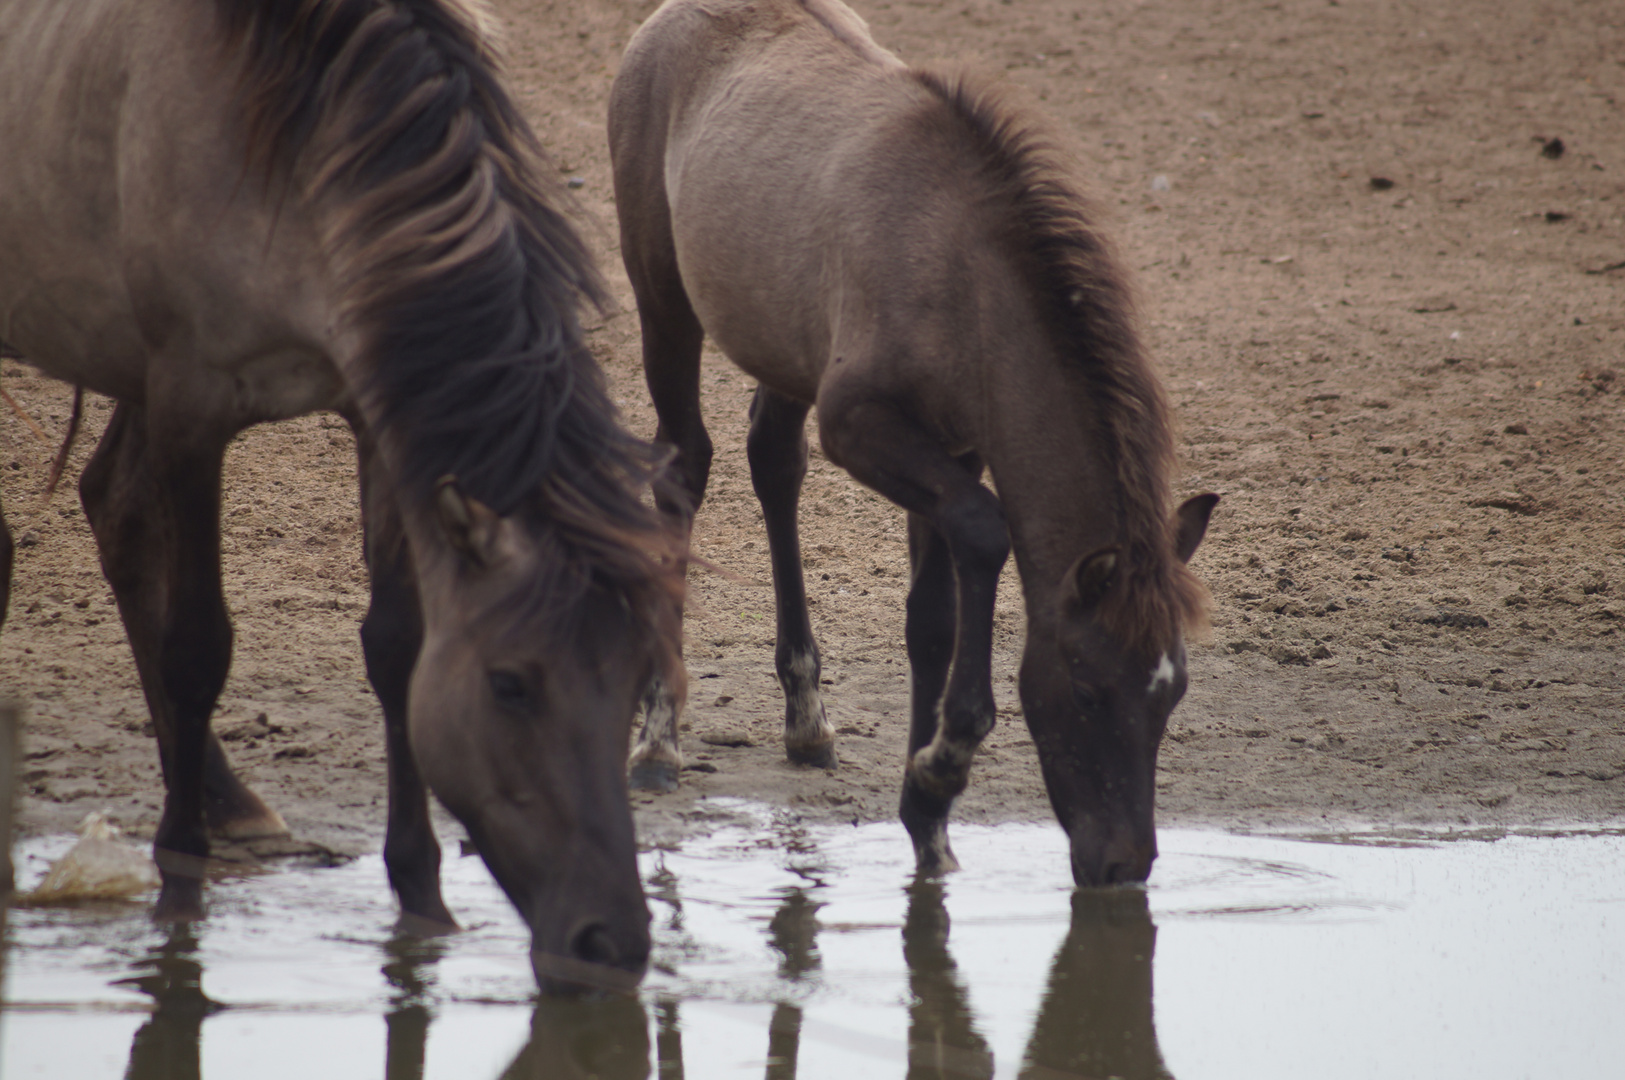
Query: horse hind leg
[656,760]
[672,339]
[155,513]
[6,552]
[777,449]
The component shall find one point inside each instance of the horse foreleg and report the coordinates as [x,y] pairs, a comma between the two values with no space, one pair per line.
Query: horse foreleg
[929,635]
[391,636]
[887,450]
[153,502]
[777,449]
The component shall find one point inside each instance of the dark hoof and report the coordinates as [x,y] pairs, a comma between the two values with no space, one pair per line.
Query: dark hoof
[819,755]
[653,776]
[426,926]
[926,820]
[935,859]
[180,901]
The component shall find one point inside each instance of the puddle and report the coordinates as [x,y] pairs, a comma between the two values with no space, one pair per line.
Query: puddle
[784,951]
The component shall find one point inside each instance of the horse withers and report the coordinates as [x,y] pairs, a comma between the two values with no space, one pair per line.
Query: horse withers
[226,212]
[909,252]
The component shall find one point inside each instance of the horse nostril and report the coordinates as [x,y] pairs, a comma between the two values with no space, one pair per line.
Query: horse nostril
[594,944]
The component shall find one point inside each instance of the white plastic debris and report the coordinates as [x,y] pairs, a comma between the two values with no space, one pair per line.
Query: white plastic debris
[98,867]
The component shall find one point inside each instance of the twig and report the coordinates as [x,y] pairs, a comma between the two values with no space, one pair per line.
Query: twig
[29,420]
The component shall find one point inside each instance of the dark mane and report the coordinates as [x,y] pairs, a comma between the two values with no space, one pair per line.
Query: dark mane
[460,272]
[1090,310]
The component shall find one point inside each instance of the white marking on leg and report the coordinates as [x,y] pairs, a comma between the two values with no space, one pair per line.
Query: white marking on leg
[804,703]
[1163,674]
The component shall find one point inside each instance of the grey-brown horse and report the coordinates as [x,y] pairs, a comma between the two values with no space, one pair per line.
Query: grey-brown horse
[226,212]
[909,252]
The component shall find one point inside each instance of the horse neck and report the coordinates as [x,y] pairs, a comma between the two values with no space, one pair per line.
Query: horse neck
[1061,493]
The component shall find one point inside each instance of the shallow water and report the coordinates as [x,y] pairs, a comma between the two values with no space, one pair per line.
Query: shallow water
[786,951]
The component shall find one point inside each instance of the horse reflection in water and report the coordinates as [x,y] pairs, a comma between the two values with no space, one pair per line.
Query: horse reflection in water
[1095,1019]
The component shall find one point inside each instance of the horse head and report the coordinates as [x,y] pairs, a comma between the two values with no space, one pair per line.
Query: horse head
[520,716]
[1097,703]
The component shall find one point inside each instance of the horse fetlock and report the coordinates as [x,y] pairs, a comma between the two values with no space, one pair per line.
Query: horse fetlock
[942,769]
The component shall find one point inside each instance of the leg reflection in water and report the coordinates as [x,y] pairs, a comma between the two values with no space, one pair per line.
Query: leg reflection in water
[1096,1016]
[166,1046]
[409,971]
[942,1038]
[793,933]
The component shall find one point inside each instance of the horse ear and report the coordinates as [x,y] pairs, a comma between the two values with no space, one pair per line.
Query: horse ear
[1086,583]
[471,526]
[1191,524]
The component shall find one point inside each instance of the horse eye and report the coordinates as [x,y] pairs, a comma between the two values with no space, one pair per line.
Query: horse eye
[509,689]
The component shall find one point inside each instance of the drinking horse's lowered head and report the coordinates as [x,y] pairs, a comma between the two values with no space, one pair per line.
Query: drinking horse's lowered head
[227,212]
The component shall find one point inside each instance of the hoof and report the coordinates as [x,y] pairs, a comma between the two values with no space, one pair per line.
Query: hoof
[426,926]
[935,863]
[927,823]
[820,755]
[180,901]
[258,822]
[653,776]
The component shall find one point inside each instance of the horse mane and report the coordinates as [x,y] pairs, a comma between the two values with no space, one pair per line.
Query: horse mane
[1085,298]
[459,270]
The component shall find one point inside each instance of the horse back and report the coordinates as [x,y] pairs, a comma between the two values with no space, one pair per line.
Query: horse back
[132,226]
[804,181]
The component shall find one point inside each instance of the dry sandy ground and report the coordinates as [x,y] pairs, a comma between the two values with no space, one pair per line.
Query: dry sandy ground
[1389,322]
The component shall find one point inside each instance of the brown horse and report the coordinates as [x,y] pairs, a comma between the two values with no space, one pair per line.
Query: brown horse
[226,212]
[908,252]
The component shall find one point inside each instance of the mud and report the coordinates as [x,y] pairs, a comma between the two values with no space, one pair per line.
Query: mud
[1390,322]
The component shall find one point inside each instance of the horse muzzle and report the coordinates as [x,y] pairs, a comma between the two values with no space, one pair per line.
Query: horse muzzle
[597,960]
[1115,859]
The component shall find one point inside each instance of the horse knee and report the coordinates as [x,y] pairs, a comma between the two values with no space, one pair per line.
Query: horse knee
[389,645]
[977,533]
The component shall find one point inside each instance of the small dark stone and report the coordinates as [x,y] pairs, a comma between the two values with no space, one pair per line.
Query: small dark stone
[1381,183]
[29,538]
[700,766]
[1458,620]
[1556,215]
[1553,148]
[1516,429]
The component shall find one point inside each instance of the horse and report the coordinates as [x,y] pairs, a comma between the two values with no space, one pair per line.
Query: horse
[910,251]
[222,213]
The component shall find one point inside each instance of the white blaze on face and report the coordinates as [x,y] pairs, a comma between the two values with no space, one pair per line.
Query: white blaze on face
[1162,674]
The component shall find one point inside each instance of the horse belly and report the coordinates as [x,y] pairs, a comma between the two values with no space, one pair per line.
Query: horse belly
[751,248]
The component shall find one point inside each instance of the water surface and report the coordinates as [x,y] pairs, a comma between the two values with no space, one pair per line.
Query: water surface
[786,951]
